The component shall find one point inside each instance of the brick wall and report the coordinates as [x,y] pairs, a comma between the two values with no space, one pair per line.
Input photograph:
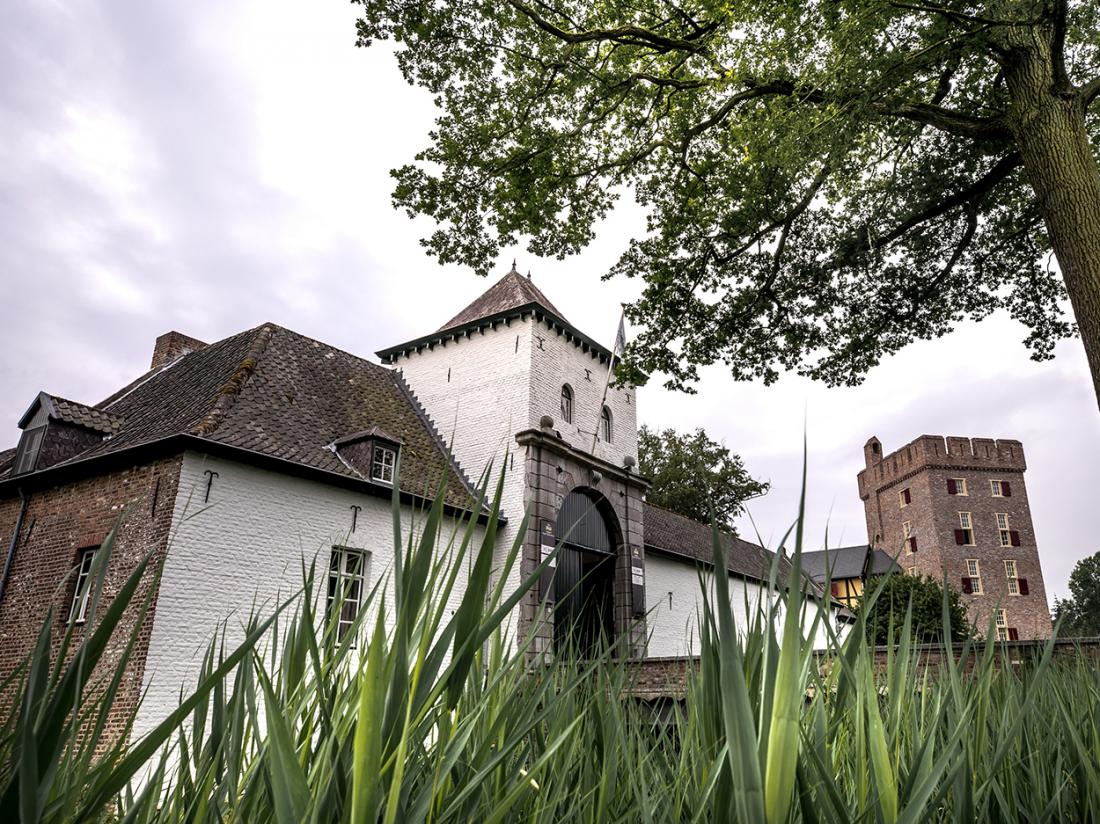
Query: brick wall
[923,467]
[59,522]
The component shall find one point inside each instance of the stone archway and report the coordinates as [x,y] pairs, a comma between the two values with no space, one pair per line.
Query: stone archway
[584,584]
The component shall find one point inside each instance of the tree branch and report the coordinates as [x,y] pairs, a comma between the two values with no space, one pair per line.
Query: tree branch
[1090,91]
[861,241]
[1062,85]
[629,35]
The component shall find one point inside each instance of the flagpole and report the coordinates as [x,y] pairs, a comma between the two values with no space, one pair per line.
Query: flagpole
[607,384]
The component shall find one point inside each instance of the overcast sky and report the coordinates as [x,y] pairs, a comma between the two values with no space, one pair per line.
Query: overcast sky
[195,167]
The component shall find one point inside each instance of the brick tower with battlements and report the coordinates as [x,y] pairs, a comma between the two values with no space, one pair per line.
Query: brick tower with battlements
[958,508]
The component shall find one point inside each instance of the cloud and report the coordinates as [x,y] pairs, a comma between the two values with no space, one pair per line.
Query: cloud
[207,167]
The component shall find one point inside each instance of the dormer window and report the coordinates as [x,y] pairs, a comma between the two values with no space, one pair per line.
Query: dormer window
[605,425]
[382,464]
[26,454]
[566,404]
[371,454]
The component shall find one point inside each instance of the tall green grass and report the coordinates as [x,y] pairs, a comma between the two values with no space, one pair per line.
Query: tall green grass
[424,715]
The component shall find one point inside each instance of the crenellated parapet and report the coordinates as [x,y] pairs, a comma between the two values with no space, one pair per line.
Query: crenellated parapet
[936,452]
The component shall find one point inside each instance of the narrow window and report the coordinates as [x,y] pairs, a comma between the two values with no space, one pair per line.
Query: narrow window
[907,535]
[347,573]
[26,455]
[956,486]
[1013,578]
[903,498]
[605,425]
[972,583]
[1003,530]
[78,609]
[566,404]
[1002,625]
[964,535]
[995,489]
[382,464]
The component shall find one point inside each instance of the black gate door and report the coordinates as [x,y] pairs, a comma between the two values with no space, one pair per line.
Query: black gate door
[584,582]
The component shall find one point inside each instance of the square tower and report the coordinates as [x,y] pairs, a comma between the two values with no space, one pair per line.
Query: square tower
[957,508]
[509,374]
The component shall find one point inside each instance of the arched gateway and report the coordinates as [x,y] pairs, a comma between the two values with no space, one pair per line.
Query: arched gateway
[584,586]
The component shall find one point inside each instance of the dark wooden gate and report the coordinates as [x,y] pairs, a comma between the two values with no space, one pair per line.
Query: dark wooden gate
[584,590]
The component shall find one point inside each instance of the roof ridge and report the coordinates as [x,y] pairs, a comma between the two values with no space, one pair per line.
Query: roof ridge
[231,389]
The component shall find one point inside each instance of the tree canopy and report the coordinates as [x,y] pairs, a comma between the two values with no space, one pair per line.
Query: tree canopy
[927,595]
[823,182]
[695,476]
[1080,613]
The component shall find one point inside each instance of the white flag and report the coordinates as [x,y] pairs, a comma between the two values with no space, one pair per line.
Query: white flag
[620,339]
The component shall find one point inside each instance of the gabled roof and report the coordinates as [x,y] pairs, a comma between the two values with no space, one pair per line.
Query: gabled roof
[60,409]
[837,563]
[676,534]
[279,394]
[510,292]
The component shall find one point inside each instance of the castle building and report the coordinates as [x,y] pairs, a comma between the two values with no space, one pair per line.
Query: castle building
[957,508]
[236,462]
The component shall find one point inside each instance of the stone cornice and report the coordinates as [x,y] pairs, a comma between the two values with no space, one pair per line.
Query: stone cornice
[554,443]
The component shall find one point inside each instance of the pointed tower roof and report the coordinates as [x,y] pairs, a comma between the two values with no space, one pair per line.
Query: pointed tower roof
[510,292]
[513,296]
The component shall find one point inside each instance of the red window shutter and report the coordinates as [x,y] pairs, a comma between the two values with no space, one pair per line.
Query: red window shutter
[1006,489]
[1022,584]
[1015,537]
[1013,634]
[960,537]
[835,589]
[913,544]
[966,585]
[951,488]
[905,496]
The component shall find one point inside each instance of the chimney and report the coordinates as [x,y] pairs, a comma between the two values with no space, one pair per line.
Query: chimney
[172,346]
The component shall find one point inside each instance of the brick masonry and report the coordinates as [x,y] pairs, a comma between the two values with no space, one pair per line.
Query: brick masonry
[59,522]
[924,467]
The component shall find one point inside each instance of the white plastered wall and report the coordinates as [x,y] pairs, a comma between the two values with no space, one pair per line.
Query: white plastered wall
[246,547]
[672,623]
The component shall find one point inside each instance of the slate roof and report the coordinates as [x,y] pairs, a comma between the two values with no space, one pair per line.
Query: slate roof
[675,533]
[843,561]
[848,562]
[510,292]
[283,395]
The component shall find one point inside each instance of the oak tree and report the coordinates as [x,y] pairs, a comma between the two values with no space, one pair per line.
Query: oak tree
[695,476]
[823,181]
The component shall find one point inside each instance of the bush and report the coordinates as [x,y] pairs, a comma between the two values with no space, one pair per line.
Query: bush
[883,616]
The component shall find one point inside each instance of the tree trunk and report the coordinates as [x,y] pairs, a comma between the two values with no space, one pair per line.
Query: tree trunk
[1050,133]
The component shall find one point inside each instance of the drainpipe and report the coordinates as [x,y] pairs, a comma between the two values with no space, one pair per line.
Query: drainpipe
[14,541]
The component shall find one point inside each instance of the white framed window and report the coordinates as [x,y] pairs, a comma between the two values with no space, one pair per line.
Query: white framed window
[907,537]
[957,486]
[964,535]
[566,403]
[1013,578]
[383,460]
[995,489]
[347,576]
[974,574]
[1001,619]
[904,498]
[605,425]
[911,571]
[78,609]
[1003,529]
[26,453]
